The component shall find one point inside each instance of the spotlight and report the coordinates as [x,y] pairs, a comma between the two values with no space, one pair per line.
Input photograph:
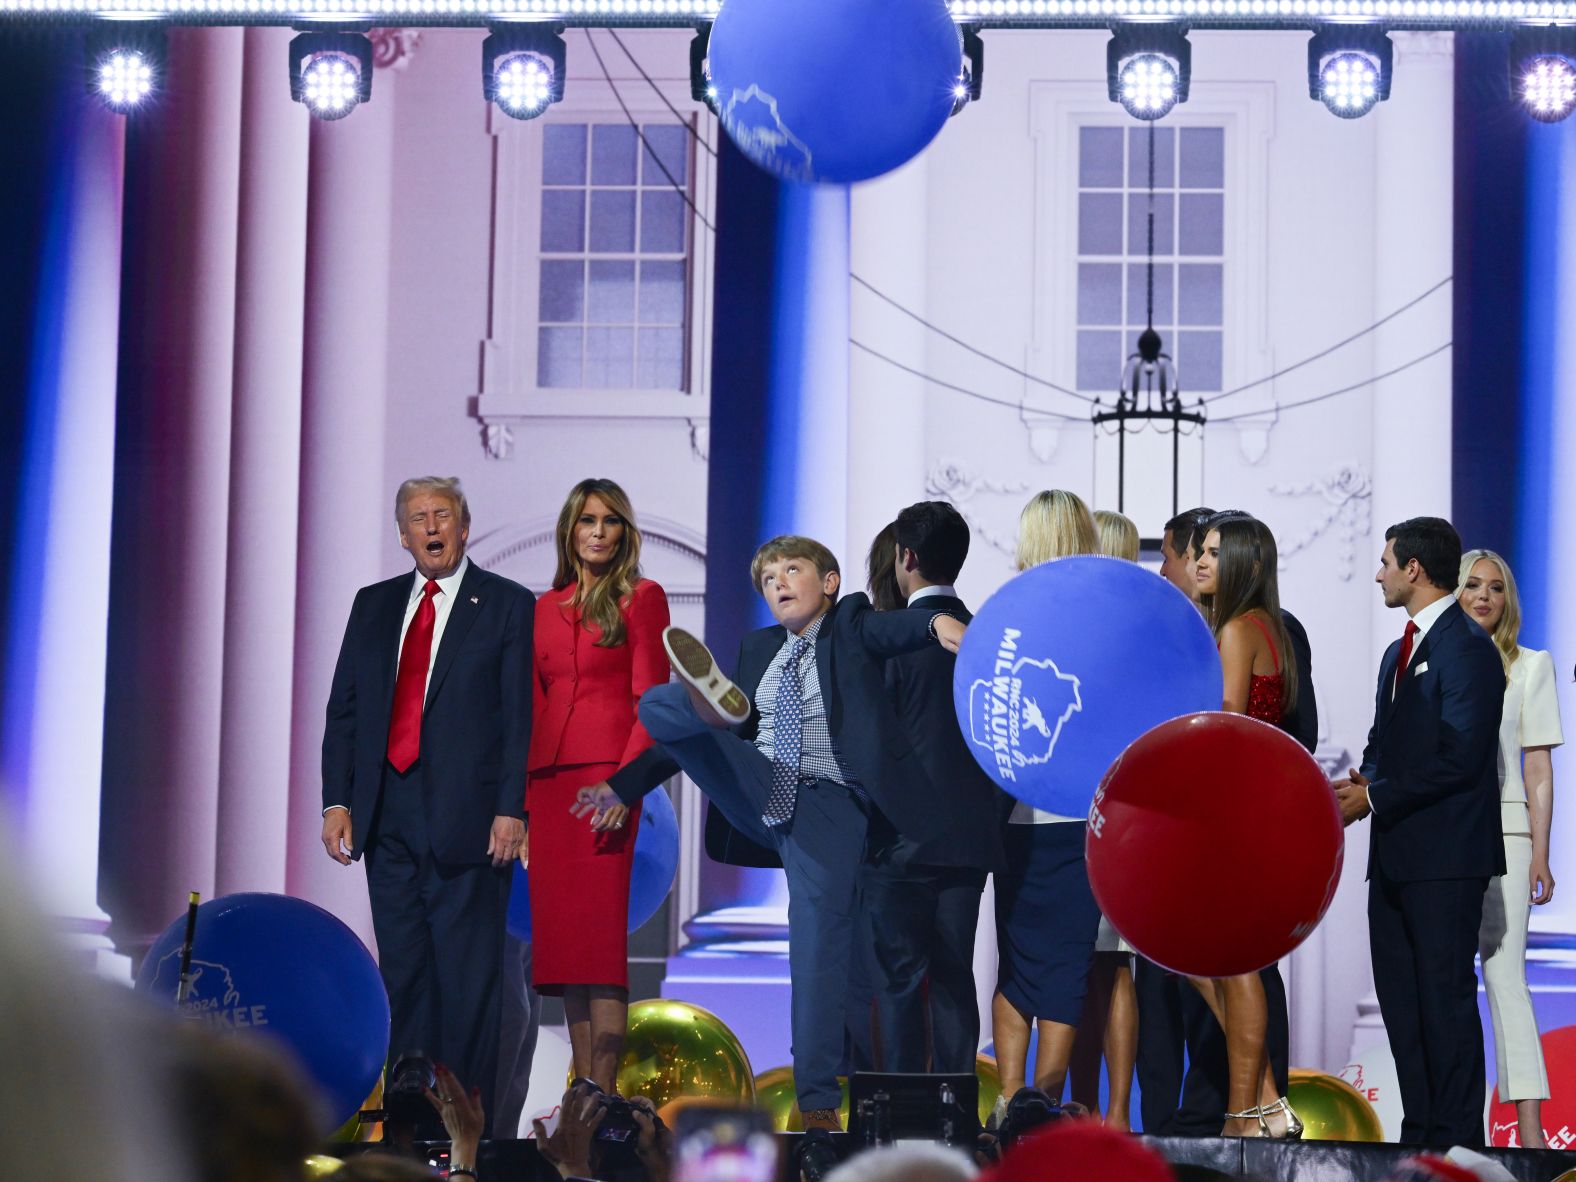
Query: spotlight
[126,65]
[1147,68]
[1543,71]
[330,72]
[1349,69]
[971,75]
[523,68]
[701,88]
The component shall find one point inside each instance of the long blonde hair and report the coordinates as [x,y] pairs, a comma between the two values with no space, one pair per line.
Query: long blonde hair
[1118,534]
[1055,524]
[1508,629]
[601,601]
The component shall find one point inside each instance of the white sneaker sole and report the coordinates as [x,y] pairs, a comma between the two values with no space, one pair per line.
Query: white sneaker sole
[694,664]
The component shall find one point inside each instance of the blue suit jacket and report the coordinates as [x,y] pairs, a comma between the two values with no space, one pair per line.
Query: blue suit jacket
[1432,758]
[475,729]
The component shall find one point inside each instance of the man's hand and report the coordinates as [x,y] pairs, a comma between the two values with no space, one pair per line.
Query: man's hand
[525,849]
[654,1146]
[336,835]
[1351,794]
[949,631]
[504,844]
[580,1113]
[602,805]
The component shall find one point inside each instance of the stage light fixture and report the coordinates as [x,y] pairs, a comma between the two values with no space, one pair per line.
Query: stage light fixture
[701,88]
[1543,71]
[330,72]
[1349,69]
[126,64]
[1147,68]
[971,74]
[523,68]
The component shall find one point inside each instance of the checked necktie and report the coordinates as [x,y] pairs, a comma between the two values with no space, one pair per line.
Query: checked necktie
[410,683]
[787,738]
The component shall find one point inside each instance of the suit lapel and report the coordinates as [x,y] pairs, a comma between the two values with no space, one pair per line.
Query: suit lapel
[1388,693]
[390,634]
[467,605]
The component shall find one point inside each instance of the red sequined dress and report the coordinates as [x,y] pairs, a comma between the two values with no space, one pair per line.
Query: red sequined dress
[1267,692]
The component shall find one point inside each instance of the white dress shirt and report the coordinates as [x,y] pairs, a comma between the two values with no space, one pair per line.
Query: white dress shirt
[442,604]
[934,589]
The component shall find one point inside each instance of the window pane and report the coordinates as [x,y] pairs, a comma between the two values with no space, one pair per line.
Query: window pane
[1099,359]
[1203,223]
[563,220]
[1203,157]
[564,154]
[610,358]
[662,293]
[1138,157]
[613,154]
[669,144]
[1138,223]
[1099,293]
[562,297]
[1198,361]
[1100,157]
[558,357]
[612,298]
[1100,223]
[1199,294]
[1138,294]
[662,222]
[612,220]
[661,359]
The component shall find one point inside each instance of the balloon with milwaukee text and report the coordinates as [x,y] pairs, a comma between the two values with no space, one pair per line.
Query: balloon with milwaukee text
[1067,664]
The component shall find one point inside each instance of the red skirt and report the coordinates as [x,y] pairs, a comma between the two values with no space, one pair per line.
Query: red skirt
[579,884]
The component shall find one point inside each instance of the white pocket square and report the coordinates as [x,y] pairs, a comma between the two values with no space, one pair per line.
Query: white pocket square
[1419,670]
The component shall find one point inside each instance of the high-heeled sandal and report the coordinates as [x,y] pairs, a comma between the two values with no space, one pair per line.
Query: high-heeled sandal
[1254,1113]
[1294,1126]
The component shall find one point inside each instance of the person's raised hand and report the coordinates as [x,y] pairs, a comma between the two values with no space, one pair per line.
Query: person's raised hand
[580,1114]
[654,1146]
[460,1111]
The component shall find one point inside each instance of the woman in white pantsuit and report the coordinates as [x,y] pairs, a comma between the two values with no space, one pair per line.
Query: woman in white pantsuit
[1528,731]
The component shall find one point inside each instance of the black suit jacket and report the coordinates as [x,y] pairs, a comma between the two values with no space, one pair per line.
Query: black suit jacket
[475,729]
[966,806]
[1432,757]
[853,642]
[1302,723]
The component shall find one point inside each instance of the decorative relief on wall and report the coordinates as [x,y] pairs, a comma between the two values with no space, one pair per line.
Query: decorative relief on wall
[672,553]
[951,481]
[1347,493]
[392,48]
[498,439]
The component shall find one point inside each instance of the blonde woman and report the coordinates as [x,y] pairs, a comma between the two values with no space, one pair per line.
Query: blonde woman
[598,647]
[1046,916]
[1529,730]
[1118,535]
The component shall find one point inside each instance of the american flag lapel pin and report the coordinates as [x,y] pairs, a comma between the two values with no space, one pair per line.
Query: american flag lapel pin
[476,598]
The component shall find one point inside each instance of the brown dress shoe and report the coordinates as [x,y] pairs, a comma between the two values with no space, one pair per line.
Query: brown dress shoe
[828,1119]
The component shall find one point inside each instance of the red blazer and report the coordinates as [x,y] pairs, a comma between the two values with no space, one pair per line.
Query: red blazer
[584,697]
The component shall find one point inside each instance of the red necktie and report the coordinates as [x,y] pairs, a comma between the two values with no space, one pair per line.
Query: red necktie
[410,685]
[1404,656]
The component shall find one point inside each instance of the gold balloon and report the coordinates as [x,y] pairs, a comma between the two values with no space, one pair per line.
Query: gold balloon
[1331,1109]
[1567,1176]
[321,1165]
[675,1051]
[774,1095]
[990,1084]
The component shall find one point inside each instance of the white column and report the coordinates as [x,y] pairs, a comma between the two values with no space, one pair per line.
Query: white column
[66,744]
[265,461]
[886,407]
[347,500]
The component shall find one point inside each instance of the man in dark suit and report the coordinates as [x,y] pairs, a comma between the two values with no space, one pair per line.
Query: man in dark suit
[429,720]
[795,756]
[1430,779]
[920,899]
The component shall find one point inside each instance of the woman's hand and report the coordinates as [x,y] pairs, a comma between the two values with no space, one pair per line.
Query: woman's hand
[602,805]
[611,818]
[461,1112]
[580,1114]
[1542,881]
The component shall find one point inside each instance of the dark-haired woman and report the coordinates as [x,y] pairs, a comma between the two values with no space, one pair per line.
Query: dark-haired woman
[881,571]
[1240,594]
[598,648]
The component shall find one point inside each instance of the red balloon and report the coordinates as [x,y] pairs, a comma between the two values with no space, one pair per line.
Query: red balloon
[1214,844]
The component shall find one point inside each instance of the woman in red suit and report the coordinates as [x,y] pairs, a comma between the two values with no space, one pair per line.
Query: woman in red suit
[598,648]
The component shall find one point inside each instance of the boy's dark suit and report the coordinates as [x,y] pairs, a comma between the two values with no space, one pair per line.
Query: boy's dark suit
[1435,841]
[823,845]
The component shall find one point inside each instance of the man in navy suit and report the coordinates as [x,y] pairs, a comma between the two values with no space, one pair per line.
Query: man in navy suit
[920,895]
[429,720]
[796,756]
[1430,780]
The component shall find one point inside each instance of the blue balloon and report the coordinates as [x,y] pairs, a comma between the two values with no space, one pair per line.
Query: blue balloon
[1067,664]
[276,967]
[833,90]
[650,878]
